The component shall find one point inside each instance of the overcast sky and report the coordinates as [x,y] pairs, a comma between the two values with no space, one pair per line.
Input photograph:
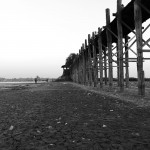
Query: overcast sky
[36,36]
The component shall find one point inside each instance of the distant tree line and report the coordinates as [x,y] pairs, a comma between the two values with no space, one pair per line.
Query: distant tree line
[67,68]
[70,59]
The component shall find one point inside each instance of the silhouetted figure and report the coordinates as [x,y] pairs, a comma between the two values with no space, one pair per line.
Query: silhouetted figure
[35,79]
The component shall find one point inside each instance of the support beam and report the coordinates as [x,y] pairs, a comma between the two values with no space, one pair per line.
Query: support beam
[100,56]
[94,60]
[118,67]
[86,62]
[123,43]
[109,45]
[77,68]
[83,63]
[146,43]
[105,65]
[146,50]
[80,67]
[74,70]
[145,8]
[89,60]
[120,45]
[138,27]
[134,31]
[126,62]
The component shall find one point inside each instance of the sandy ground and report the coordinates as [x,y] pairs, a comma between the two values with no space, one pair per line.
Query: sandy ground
[67,116]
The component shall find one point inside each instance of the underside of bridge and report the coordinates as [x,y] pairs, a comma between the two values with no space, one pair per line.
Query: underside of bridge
[108,49]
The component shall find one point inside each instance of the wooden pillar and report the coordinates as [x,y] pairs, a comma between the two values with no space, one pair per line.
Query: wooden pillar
[83,63]
[118,68]
[76,64]
[120,44]
[138,28]
[78,70]
[105,65]
[73,72]
[109,45]
[100,57]
[86,62]
[80,67]
[94,60]
[127,62]
[89,60]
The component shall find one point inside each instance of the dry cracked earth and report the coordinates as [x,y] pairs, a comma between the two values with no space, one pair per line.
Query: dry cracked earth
[63,116]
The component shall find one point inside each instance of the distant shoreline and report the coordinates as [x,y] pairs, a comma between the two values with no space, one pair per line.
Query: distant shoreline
[5,84]
[15,82]
[19,82]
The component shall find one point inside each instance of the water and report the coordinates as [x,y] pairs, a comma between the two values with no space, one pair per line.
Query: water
[5,85]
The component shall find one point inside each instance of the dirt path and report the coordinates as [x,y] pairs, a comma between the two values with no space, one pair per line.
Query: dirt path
[63,116]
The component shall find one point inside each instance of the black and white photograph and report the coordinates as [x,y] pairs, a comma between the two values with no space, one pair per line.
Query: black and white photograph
[74,75]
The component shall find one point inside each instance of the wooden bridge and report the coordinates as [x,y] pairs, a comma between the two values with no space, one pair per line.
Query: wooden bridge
[98,56]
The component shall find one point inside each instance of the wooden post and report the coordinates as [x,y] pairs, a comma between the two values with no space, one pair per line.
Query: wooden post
[86,62]
[100,57]
[120,44]
[109,45]
[138,28]
[73,72]
[89,60]
[105,65]
[118,77]
[126,62]
[94,60]
[80,67]
[77,68]
[83,61]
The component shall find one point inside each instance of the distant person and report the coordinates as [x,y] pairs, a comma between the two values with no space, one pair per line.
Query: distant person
[35,79]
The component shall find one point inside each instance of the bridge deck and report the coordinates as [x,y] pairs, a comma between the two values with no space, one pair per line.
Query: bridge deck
[128,18]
